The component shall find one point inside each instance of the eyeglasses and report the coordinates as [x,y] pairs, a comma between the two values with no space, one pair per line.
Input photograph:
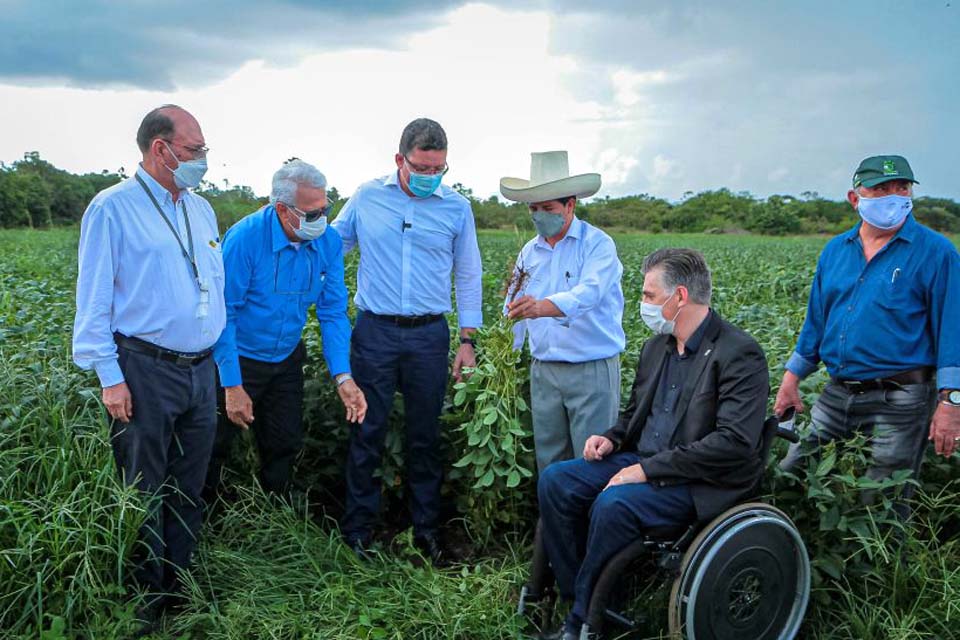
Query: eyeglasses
[428,171]
[313,214]
[198,152]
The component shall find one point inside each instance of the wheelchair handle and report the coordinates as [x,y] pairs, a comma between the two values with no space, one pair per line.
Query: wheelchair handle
[788,434]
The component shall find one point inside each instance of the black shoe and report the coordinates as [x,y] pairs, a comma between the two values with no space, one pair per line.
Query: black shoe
[148,618]
[361,548]
[563,633]
[430,546]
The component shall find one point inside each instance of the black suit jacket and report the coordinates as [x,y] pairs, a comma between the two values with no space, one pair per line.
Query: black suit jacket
[716,445]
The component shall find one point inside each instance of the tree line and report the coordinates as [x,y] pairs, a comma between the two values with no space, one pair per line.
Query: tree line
[34,193]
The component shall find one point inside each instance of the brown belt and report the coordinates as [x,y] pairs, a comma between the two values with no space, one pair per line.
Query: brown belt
[896,381]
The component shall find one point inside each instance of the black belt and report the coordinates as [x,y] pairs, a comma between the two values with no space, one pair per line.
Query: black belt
[406,321]
[896,381]
[176,357]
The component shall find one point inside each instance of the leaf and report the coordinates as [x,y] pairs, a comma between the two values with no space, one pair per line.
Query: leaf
[826,465]
[513,479]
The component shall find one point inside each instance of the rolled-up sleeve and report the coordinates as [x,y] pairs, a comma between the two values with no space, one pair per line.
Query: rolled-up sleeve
[468,270]
[332,314]
[601,271]
[93,344]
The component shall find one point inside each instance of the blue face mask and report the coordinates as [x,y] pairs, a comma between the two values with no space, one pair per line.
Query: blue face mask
[887,212]
[188,173]
[547,224]
[423,185]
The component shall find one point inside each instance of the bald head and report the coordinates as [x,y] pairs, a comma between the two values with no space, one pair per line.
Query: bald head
[166,122]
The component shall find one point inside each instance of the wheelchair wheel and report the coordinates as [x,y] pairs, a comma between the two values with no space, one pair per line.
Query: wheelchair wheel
[746,575]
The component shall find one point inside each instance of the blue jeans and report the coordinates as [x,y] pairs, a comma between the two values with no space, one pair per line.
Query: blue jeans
[383,358]
[584,526]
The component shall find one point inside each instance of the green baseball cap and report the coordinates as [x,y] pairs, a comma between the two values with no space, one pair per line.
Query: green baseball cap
[879,169]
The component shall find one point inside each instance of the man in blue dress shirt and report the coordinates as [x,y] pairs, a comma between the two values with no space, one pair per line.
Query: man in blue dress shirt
[882,316]
[280,261]
[149,310]
[413,233]
[570,306]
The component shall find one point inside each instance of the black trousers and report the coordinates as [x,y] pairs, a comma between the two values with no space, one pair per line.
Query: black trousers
[276,389]
[164,451]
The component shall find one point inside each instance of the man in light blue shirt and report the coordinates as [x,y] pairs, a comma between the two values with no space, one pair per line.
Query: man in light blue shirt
[149,310]
[565,294]
[280,261]
[414,233]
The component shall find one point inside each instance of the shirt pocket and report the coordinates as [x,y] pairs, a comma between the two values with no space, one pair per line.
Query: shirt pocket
[210,262]
[897,293]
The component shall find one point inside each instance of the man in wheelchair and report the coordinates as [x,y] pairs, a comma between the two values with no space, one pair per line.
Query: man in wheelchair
[686,448]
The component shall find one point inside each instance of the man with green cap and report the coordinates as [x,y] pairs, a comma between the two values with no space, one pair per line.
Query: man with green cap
[882,316]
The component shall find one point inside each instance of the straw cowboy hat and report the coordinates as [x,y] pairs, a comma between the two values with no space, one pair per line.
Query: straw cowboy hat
[550,179]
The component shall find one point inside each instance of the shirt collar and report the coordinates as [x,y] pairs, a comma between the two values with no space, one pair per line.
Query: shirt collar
[158,190]
[908,231]
[393,179]
[693,342]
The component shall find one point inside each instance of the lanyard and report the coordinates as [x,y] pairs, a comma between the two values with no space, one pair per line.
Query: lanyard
[190,257]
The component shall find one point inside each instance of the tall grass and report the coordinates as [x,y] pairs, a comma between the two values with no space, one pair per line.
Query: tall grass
[268,570]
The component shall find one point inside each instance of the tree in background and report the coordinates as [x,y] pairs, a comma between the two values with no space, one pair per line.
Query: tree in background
[34,193]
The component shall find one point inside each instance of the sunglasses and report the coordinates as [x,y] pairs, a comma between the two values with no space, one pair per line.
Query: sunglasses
[313,214]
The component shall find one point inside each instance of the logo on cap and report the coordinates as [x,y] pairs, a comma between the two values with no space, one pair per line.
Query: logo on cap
[888,168]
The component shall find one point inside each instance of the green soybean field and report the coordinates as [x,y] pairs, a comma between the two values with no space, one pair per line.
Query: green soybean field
[271,568]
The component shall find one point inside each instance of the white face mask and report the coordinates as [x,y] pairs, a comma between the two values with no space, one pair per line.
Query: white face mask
[652,315]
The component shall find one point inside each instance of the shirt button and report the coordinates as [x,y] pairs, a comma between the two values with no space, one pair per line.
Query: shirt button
[861,280]
[850,308]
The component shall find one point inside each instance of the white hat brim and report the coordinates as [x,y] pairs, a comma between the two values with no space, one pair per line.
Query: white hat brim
[519,190]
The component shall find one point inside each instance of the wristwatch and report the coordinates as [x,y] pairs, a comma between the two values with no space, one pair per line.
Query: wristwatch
[342,377]
[469,341]
[951,396]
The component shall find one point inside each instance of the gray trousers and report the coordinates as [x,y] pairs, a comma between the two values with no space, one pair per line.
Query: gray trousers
[571,401]
[897,422]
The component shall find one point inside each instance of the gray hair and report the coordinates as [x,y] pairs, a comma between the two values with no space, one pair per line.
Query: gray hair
[290,176]
[685,267]
[424,134]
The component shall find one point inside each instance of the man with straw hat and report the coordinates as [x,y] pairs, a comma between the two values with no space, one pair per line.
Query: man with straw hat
[567,301]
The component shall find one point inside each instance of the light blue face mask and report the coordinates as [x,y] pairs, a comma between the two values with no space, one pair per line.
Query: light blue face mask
[547,224]
[423,185]
[886,212]
[311,230]
[188,173]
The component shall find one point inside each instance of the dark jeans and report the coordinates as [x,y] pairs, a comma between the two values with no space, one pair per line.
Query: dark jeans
[276,389]
[584,526]
[385,357]
[897,421]
[164,450]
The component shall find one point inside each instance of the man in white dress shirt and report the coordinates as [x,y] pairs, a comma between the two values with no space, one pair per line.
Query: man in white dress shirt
[149,310]
[567,299]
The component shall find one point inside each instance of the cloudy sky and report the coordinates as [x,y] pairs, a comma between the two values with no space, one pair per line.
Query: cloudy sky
[659,97]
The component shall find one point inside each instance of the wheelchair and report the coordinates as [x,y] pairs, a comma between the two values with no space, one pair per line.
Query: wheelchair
[745,575]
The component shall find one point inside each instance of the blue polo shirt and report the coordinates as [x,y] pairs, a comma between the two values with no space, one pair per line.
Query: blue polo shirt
[270,285]
[900,311]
